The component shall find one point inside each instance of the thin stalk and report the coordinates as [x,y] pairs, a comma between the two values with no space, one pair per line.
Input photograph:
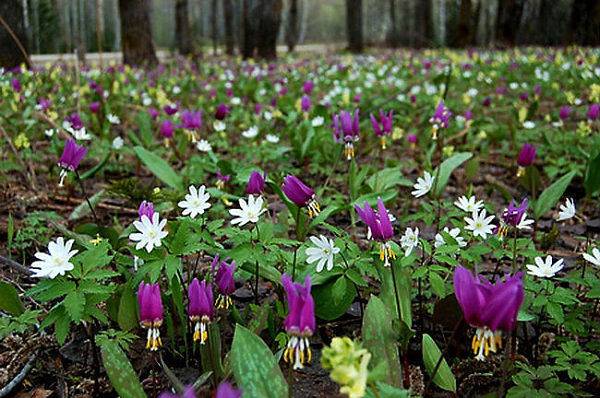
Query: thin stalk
[297,238]
[256,269]
[86,197]
[355,286]
[95,356]
[514,259]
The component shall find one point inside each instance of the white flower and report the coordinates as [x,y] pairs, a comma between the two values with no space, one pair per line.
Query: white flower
[80,134]
[593,258]
[272,138]
[113,119]
[176,90]
[455,233]
[219,125]
[528,124]
[203,146]
[469,205]
[423,185]
[268,116]
[56,262]
[150,232]
[117,143]
[49,132]
[248,212]
[318,121]
[409,240]
[480,224]
[322,251]
[251,132]
[196,202]
[545,269]
[236,101]
[567,210]
[525,223]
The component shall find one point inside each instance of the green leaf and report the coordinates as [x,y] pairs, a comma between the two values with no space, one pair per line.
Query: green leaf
[120,372]
[437,284]
[83,209]
[388,178]
[333,298]
[144,123]
[254,367]
[379,339]
[159,167]
[127,314]
[431,355]
[592,176]
[552,195]
[74,303]
[9,299]
[388,295]
[446,169]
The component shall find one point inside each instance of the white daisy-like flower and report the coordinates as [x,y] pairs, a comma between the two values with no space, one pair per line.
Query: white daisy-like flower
[150,232]
[219,125]
[268,116]
[525,223]
[249,211]
[410,240]
[79,134]
[423,185]
[455,233]
[272,138]
[117,143]
[322,251]
[176,90]
[469,205]
[236,101]
[528,124]
[318,121]
[251,132]
[49,133]
[479,224]
[567,210]
[113,119]
[593,258]
[545,268]
[203,146]
[196,202]
[56,261]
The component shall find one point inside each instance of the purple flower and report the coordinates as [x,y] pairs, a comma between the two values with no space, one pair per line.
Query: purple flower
[75,121]
[222,179]
[308,87]
[300,322]
[70,158]
[95,107]
[537,90]
[151,313]
[226,390]
[564,112]
[170,109]
[225,283]
[487,101]
[200,308]
[593,112]
[191,120]
[153,112]
[379,227]
[305,103]
[256,183]
[524,96]
[468,115]
[43,104]
[491,308]
[188,392]
[16,85]
[167,128]
[346,128]
[146,209]
[440,119]
[221,112]
[300,194]
[526,155]
[513,214]
[412,138]
[382,127]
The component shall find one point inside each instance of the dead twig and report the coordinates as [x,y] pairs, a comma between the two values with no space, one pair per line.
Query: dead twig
[17,41]
[15,265]
[7,389]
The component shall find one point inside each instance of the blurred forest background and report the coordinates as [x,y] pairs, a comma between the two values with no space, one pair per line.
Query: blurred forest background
[194,26]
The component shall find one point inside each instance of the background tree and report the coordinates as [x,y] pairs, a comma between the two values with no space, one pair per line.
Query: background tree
[228,16]
[261,22]
[465,26]
[585,23]
[393,34]
[293,26]
[424,31]
[354,26]
[509,17]
[183,36]
[13,39]
[136,33]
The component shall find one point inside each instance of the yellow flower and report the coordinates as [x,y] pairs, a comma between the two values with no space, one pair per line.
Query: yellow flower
[348,363]
[22,141]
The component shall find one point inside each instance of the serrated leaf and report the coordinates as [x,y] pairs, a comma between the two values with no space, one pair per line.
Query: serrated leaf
[120,372]
[74,303]
[446,169]
[431,355]
[254,367]
[552,195]
[160,168]
[379,339]
[9,299]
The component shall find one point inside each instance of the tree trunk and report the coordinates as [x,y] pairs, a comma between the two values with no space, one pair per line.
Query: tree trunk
[585,23]
[508,19]
[183,35]
[12,48]
[464,28]
[136,32]
[424,28]
[291,33]
[354,25]
[269,20]
[247,29]
[393,37]
[228,24]
[214,32]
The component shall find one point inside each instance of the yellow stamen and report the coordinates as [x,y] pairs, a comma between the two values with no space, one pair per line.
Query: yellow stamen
[383,143]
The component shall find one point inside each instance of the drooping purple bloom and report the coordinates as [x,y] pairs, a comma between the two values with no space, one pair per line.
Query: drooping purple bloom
[305,103]
[191,120]
[170,109]
[188,392]
[513,214]
[524,96]
[300,194]
[74,121]
[95,107]
[225,284]
[151,313]
[153,112]
[146,209]
[593,112]
[346,129]
[300,322]
[412,139]
[307,87]
[70,158]
[43,104]
[256,183]
[200,308]
[487,101]
[222,179]
[526,155]
[491,308]
[221,112]
[16,85]
[564,112]
[383,127]
[537,90]
[226,390]
[167,127]
[379,227]
[440,119]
